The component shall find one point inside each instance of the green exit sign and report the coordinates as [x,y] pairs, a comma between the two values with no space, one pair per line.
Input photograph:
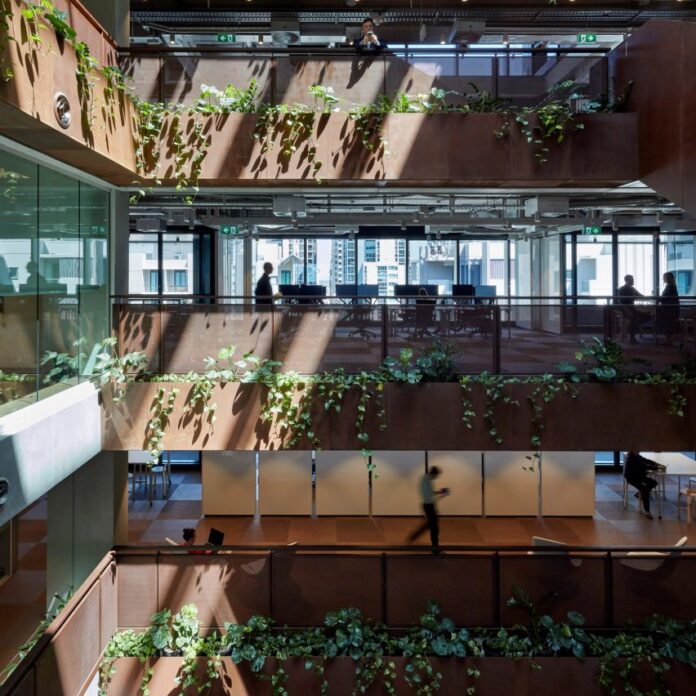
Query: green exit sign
[587,38]
[226,38]
[592,229]
[229,229]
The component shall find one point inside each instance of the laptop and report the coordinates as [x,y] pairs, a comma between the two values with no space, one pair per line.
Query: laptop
[216,537]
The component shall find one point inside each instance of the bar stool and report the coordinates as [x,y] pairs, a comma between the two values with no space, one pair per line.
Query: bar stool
[152,473]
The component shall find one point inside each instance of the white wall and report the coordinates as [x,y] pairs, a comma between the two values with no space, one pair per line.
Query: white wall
[44,443]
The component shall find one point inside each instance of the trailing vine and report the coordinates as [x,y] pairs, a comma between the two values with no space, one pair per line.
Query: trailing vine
[161,409]
[265,649]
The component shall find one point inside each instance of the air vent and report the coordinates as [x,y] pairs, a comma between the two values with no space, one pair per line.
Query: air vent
[284,32]
[4,491]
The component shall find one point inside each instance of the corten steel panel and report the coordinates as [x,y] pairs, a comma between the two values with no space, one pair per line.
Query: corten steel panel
[68,661]
[190,333]
[139,328]
[224,588]
[355,79]
[306,587]
[182,77]
[137,590]
[108,612]
[646,586]
[407,406]
[556,585]
[145,74]
[688,110]
[311,339]
[654,58]
[463,586]
[39,75]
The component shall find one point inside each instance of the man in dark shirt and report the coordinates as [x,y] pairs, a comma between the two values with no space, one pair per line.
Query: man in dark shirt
[626,295]
[264,289]
[636,474]
[368,41]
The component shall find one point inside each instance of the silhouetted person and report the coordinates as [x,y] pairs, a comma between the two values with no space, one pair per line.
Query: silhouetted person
[264,289]
[626,295]
[428,496]
[369,41]
[668,313]
[636,470]
[35,282]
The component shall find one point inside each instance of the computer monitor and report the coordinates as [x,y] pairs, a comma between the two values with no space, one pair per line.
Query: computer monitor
[346,290]
[405,291]
[290,290]
[368,290]
[465,290]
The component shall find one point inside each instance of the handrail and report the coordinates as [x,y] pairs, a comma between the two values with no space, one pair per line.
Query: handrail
[340,549]
[342,51]
[63,615]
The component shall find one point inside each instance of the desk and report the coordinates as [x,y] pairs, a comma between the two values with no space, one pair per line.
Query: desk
[677,464]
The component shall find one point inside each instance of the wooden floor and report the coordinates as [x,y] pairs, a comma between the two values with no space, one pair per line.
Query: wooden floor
[610,526]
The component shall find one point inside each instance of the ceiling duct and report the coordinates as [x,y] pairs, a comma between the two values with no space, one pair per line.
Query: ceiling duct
[285,32]
[289,206]
[546,205]
[463,32]
[150,224]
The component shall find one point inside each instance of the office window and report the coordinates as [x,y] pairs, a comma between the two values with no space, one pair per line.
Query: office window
[382,262]
[497,269]
[143,262]
[433,262]
[179,280]
[677,256]
[153,285]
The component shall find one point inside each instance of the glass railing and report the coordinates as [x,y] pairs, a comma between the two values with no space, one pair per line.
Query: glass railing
[524,336]
[521,76]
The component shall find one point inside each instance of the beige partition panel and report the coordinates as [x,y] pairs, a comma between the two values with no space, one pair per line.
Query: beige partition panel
[285,483]
[396,491]
[568,483]
[229,483]
[510,488]
[462,473]
[342,484]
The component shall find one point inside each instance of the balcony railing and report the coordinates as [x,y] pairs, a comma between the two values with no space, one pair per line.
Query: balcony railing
[522,76]
[521,336]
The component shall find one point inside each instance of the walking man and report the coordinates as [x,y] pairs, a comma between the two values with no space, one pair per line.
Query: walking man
[428,496]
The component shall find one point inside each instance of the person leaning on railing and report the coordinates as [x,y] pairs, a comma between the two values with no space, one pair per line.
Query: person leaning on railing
[369,41]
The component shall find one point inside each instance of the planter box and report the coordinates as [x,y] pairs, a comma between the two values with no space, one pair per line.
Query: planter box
[499,676]
[420,417]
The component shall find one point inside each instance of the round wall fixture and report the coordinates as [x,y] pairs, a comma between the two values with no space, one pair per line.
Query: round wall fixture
[61,109]
[4,491]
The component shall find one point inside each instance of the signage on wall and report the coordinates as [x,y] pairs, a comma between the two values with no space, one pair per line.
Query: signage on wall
[229,229]
[587,38]
[226,38]
[592,229]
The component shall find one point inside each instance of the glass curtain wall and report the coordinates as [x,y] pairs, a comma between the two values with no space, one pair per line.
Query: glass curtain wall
[433,262]
[54,289]
[484,264]
[677,256]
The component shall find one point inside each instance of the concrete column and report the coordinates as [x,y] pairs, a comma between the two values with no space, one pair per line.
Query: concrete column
[119,242]
[114,16]
[87,515]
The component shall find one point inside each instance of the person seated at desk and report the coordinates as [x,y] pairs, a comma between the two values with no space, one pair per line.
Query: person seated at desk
[425,308]
[636,470]
[369,41]
[189,535]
